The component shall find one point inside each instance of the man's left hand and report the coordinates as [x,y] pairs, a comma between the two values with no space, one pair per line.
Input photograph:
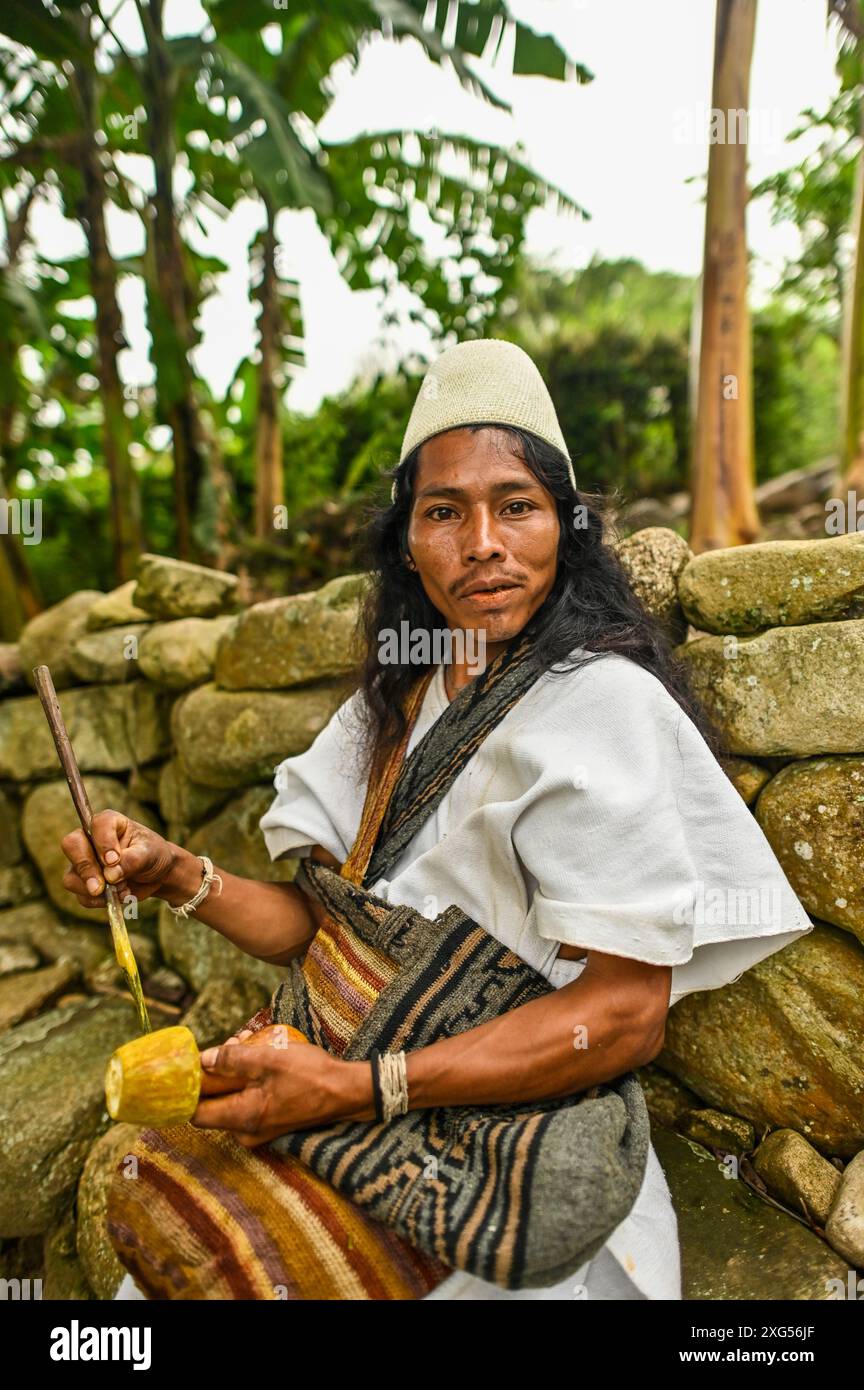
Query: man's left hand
[259,1092]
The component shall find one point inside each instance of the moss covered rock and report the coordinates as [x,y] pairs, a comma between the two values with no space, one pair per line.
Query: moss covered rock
[234,841]
[169,588]
[734,1245]
[797,1174]
[748,778]
[26,994]
[227,738]
[18,884]
[39,926]
[64,1275]
[654,559]
[52,1106]
[794,691]
[109,656]
[292,641]
[116,609]
[112,727]
[201,955]
[844,1228]
[783,1046]
[747,588]
[222,1008]
[813,814]
[48,638]
[182,653]
[100,1264]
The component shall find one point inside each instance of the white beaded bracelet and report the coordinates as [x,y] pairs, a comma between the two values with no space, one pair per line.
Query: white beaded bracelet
[206,884]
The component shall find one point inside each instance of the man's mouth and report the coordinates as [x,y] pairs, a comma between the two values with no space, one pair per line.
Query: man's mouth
[490,593]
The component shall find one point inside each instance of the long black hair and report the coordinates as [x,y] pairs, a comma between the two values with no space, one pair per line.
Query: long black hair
[591,605]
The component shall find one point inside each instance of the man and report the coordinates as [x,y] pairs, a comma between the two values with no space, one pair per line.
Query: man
[579,833]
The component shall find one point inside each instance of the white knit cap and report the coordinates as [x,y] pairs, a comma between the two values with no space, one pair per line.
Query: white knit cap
[483,381]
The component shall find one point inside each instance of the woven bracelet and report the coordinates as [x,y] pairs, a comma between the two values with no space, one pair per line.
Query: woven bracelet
[209,878]
[394,1084]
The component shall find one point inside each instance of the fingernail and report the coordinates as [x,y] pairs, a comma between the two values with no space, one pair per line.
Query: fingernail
[208,1058]
[112,857]
[114,874]
[94,887]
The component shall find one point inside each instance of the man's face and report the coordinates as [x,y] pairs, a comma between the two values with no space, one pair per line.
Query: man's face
[480,517]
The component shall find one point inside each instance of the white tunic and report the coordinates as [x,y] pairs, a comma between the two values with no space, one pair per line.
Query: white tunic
[595,814]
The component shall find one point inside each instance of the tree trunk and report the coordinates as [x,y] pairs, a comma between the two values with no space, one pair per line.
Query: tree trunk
[224,505]
[852,377]
[724,509]
[12,613]
[169,309]
[19,600]
[117,433]
[269,490]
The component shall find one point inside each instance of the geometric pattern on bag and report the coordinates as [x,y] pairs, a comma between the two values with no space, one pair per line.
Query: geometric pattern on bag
[520,1194]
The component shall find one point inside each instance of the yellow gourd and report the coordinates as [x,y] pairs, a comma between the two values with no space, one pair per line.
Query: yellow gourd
[155,1080]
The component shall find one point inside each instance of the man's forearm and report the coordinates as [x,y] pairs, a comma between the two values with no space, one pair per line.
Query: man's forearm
[272,921]
[554,1046]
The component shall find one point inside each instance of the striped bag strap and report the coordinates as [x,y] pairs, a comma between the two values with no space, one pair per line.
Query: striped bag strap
[380,788]
[425,777]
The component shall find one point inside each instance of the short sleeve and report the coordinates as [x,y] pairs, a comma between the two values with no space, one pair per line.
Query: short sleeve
[639,844]
[603,837]
[319,798]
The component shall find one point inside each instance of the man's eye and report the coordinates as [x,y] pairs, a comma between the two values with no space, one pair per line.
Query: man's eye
[441,508]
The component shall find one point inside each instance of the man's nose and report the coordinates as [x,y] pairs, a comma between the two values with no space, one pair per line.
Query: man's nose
[481,540]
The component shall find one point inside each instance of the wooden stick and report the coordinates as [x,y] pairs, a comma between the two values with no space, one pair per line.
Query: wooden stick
[122,947]
[51,705]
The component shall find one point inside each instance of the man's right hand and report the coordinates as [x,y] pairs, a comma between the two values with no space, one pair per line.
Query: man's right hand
[137,860]
[273,921]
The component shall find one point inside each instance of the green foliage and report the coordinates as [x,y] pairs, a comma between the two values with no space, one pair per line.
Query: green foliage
[241,113]
[796,367]
[616,365]
[621,400]
[612,343]
[51,36]
[619,293]
[816,196]
[76,550]
[612,340]
[338,450]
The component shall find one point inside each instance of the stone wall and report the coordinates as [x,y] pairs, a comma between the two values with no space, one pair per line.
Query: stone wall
[180,705]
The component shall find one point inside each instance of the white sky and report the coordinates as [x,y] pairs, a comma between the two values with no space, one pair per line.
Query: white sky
[623,146]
